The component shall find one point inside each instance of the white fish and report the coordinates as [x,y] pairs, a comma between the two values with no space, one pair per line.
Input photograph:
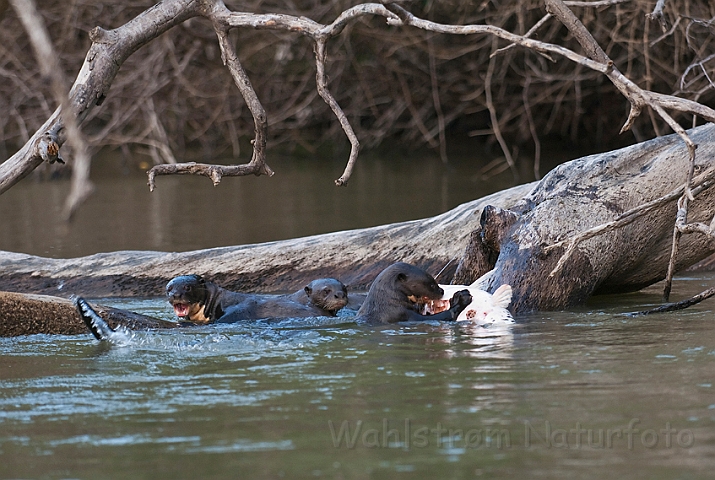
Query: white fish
[485,308]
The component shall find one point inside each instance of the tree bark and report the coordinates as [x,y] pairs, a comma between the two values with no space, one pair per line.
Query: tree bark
[636,189]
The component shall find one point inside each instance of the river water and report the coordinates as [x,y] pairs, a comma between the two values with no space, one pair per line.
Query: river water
[577,394]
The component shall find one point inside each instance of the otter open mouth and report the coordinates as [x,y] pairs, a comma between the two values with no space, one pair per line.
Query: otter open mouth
[182,309]
[432,307]
[428,306]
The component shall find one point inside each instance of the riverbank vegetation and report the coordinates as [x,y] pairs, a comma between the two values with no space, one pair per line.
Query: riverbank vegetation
[174,99]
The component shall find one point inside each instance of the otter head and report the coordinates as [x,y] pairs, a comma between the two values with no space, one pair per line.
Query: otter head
[416,284]
[188,295]
[327,293]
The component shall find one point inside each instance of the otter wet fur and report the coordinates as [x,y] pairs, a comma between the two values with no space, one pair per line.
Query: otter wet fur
[394,295]
[199,301]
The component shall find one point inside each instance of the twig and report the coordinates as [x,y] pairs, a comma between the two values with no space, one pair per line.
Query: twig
[528,34]
[666,34]
[671,307]
[532,129]
[322,83]
[257,165]
[657,14]
[495,120]
[214,172]
[435,100]
[595,3]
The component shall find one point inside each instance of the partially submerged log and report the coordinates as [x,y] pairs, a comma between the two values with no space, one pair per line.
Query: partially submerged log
[524,247]
[355,257]
[25,314]
[528,246]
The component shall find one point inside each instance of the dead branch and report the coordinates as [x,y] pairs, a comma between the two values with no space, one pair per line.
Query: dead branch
[108,51]
[214,172]
[81,187]
[330,100]
[203,114]
[495,121]
[657,14]
[683,304]
[225,20]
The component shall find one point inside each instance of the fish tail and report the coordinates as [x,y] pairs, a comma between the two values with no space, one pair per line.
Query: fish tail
[502,296]
[483,282]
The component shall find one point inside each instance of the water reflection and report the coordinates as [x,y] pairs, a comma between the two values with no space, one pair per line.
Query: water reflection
[187,213]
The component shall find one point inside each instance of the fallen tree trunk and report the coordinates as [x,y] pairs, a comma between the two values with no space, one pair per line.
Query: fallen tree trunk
[355,257]
[524,249]
[600,224]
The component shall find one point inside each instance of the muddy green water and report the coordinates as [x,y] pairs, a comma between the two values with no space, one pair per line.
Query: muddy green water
[587,393]
[578,394]
[188,213]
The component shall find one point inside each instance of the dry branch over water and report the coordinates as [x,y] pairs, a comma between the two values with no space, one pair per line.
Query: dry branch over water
[174,99]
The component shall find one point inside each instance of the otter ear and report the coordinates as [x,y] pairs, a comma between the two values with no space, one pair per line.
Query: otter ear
[401,277]
[308,290]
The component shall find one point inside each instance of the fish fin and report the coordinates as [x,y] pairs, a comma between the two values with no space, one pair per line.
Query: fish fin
[502,296]
[96,324]
[482,283]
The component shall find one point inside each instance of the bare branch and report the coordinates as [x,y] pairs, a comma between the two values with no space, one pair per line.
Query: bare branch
[257,165]
[595,3]
[214,172]
[495,120]
[322,83]
[49,66]
[672,307]
[109,50]
[528,34]
[437,104]
[657,14]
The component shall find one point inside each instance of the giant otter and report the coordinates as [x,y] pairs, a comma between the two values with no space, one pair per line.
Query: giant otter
[199,301]
[397,290]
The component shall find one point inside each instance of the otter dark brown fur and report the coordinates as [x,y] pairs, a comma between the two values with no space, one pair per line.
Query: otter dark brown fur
[199,301]
[395,293]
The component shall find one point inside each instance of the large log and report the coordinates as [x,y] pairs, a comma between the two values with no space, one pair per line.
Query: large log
[586,193]
[572,198]
[355,257]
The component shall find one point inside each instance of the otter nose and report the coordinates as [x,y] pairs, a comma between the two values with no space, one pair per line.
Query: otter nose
[340,295]
[176,293]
